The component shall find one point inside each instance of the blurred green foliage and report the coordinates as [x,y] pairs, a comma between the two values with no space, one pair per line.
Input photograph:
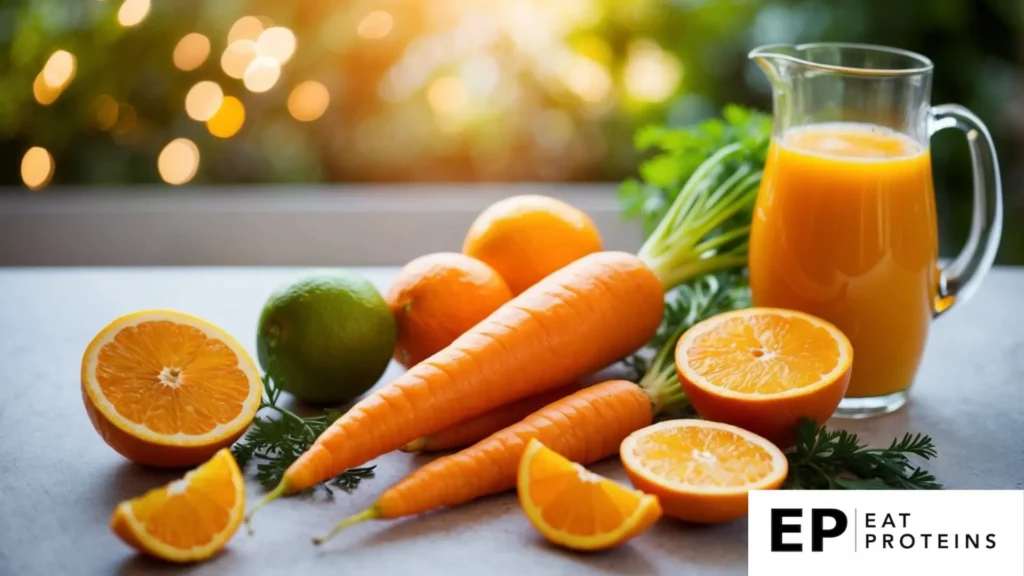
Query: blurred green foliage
[479,90]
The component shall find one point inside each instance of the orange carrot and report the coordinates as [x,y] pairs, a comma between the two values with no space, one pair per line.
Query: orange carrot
[476,429]
[572,323]
[584,427]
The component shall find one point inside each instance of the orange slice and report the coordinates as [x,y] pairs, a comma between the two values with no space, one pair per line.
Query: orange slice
[763,369]
[167,389]
[189,519]
[701,471]
[576,508]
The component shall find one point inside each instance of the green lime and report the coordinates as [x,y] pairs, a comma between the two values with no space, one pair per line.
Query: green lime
[330,337]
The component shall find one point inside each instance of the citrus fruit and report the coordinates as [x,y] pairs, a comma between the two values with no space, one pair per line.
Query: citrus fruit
[527,237]
[764,369]
[168,389]
[702,471]
[326,338]
[189,519]
[576,508]
[437,297]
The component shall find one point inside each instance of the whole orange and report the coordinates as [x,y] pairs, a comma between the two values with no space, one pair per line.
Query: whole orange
[439,296]
[527,237]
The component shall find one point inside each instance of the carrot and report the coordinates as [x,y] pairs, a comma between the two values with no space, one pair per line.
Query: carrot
[475,429]
[572,323]
[584,427]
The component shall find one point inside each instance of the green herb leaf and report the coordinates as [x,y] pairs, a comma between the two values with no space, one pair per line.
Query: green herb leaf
[837,460]
[275,442]
[677,153]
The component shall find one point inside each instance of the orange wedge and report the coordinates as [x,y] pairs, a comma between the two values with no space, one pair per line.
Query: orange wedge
[189,519]
[167,389]
[702,471]
[763,369]
[576,508]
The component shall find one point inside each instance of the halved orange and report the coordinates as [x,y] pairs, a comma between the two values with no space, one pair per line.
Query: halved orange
[168,389]
[763,369]
[702,471]
[576,508]
[189,519]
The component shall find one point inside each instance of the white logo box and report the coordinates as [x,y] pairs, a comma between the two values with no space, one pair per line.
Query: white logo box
[898,532]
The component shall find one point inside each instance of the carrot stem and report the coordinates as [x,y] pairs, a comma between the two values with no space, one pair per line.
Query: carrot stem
[699,233]
[368,514]
[661,382]
[281,489]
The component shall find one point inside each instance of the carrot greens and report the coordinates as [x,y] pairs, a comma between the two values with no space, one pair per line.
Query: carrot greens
[696,194]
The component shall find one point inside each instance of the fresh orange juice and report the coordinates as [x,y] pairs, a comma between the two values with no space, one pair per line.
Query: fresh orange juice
[845,229]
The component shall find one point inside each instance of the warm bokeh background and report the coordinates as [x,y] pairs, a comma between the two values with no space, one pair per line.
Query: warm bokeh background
[120,92]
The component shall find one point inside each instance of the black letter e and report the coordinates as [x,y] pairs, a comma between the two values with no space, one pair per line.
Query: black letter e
[779,528]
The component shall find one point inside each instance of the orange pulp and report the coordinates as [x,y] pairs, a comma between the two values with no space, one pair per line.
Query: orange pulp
[845,229]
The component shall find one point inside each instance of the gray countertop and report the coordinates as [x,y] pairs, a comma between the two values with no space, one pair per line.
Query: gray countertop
[59,482]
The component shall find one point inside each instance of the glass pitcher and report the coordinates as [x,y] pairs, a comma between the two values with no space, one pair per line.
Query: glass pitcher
[845,225]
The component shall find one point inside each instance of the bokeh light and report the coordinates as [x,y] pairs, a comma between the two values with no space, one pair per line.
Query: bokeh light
[127,119]
[277,43]
[36,168]
[308,101]
[481,75]
[553,129]
[588,79]
[262,74]
[375,25]
[651,74]
[132,12]
[245,28]
[237,57]
[229,118]
[105,109]
[203,100]
[178,161]
[42,92]
[59,69]
[191,51]
[447,95]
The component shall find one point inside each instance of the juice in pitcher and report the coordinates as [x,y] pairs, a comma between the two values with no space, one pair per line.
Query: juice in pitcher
[845,229]
[845,225]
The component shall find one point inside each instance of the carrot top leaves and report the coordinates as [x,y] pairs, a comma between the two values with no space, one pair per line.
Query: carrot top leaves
[677,152]
[696,195]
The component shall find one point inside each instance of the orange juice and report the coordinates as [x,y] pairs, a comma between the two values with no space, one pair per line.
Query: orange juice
[845,229]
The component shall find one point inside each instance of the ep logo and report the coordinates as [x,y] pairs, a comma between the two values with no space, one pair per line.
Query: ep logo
[854,532]
[823,523]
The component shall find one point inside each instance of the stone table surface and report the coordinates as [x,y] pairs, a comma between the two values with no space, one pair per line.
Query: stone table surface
[59,482]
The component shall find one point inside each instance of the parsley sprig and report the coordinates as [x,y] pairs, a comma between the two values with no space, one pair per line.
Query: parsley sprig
[837,460]
[275,442]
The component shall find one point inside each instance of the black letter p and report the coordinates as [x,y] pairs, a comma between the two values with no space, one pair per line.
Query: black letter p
[818,532]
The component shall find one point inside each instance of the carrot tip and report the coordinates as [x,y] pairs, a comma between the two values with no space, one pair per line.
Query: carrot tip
[416,445]
[368,514]
[274,494]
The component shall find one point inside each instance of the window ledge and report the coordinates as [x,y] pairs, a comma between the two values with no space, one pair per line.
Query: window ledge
[346,225]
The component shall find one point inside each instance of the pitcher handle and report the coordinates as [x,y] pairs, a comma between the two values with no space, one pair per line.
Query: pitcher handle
[960,279]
